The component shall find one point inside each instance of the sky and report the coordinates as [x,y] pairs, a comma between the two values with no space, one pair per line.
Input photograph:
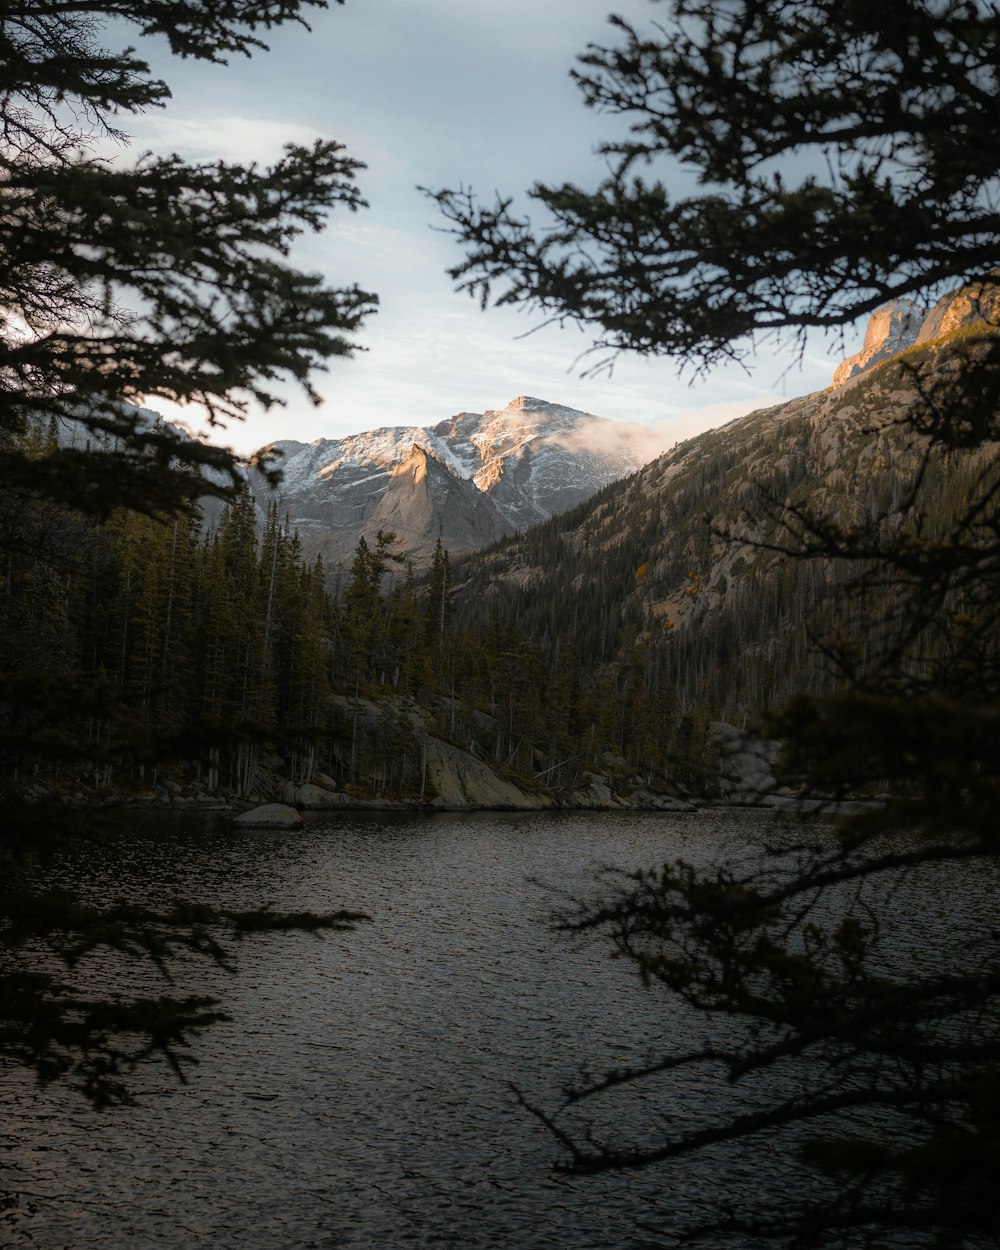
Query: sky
[442,93]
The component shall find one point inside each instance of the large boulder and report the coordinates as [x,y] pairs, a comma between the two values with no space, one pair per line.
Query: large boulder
[270,816]
[315,798]
[746,764]
[594,793]
[461,781]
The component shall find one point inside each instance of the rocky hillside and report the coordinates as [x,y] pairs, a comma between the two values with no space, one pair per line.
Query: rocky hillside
[469,480]
[676,567]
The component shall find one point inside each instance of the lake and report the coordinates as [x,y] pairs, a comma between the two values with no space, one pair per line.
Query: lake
[361,1095]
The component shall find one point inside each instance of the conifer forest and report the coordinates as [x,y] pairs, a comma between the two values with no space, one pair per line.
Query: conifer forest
[217,654]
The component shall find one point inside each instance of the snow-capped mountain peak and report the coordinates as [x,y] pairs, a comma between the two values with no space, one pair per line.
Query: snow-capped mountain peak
[468,480]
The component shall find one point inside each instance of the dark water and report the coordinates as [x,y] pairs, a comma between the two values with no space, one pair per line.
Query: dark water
[361,1095]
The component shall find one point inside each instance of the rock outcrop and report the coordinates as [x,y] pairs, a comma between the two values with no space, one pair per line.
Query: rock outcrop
[962,307]
[460,781]
[424,499]
[891,329]
[902,324]
[316,798]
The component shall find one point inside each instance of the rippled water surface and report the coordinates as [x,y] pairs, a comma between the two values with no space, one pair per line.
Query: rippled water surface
[361,1095]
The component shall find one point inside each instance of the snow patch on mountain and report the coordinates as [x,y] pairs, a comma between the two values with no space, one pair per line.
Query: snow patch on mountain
[472,477]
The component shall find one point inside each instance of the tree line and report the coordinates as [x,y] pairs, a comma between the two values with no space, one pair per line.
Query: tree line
[220,655]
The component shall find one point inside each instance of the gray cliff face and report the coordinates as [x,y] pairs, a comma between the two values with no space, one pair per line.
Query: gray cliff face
[425,501]
[468,480]
[891,329]
[902,324]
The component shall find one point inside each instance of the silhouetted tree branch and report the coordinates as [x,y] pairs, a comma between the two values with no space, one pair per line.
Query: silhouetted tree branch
[122,282]
[843,155]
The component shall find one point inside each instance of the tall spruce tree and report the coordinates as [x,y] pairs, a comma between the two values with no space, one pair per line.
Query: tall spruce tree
[122,282]
[844,154]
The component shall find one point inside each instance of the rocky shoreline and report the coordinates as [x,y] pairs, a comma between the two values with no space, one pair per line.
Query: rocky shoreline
[313,797]
[457,781]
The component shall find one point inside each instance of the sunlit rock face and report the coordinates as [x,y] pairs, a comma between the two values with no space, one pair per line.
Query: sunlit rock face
[962,307]
[425,500]
[902,324]
[468,480]
[891,329]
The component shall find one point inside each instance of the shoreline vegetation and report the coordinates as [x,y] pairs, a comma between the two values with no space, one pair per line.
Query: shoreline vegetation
[743,775]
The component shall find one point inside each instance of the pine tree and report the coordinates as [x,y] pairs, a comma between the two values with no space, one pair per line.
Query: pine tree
[437,612]
[120,284]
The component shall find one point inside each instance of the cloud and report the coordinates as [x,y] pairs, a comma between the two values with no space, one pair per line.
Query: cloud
[237,139]
[647,441]
[443,92]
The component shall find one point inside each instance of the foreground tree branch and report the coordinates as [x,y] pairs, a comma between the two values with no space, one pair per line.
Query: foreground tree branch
[841,156]
[121,282]
[825,140]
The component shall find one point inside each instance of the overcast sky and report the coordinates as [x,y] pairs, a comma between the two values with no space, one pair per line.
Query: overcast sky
[441,93]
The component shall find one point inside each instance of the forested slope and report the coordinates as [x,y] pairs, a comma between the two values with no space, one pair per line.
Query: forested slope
[191,660]
[689,571]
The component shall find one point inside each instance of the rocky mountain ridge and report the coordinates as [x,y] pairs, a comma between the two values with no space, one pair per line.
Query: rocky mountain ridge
[679,566]
[467,480]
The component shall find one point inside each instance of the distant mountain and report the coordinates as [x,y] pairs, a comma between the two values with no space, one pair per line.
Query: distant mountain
[468,480]
[646,563]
